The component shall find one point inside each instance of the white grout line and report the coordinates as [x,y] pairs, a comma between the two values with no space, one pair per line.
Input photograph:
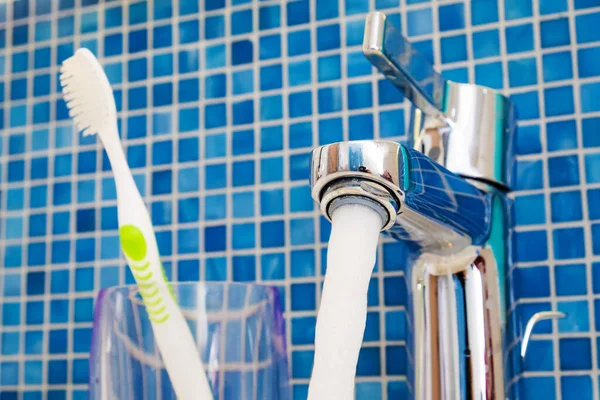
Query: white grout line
[584,204]
[288,314]
[546,185]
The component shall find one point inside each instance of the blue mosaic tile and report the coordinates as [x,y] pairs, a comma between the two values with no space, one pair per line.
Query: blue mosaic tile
[528,175]
[582,385]
[451,17]
[553,6]
[517,9]
[162,36]
[15,200]
[588,97]
[34,342]
[241,22]
[303,330]
[522,72]
[555,32]
[570,280]
[329,68]
[354,30]
[521,278]
[12,287]
[541,356]
[528,246]
[302,231]
[297,12]
[519,38]
[486,43]
[419,22]
[272,234]
[591,164]
[584,24]
[33,372]
[566,206]
[593,195]
[454,48]
[568,243]
[559,101]
[214,27]
[303,296]
[270,46]
[188,270]
[330,100]
[326,9]
[575,354]
[561,135]
[361,127]
[582,4]
[369,361]
[563,170]
[587,62]
[89,22]
[299,362]
[528,140]
[246,145]
[189,31]
[544,387]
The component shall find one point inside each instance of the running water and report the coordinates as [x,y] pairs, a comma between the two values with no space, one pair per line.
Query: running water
[342,315]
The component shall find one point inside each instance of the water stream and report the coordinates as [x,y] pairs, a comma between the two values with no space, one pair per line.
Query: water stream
[342,314]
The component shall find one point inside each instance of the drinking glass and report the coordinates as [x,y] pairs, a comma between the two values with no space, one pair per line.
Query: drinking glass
[238,330]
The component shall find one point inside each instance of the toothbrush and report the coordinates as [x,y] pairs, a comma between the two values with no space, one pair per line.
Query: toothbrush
[91,104]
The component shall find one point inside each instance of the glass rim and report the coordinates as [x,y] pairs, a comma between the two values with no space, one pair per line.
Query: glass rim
[131,292]
[195,283]
[133,288]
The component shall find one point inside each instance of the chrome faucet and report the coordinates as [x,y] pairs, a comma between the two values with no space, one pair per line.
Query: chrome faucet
[444,194]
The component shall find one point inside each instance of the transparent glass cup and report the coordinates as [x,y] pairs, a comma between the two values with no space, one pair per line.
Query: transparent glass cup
[239,333]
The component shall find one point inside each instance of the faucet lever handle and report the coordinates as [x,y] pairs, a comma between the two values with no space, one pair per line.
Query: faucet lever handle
[390,52]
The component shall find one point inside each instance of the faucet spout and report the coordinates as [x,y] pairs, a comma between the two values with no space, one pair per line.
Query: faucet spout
[420,201]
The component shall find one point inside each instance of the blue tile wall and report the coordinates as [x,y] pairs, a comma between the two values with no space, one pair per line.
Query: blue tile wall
[220,103]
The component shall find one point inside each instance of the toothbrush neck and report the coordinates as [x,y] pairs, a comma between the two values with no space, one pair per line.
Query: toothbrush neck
[118,163]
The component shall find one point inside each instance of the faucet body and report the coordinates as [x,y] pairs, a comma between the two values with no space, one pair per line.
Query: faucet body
[444,195]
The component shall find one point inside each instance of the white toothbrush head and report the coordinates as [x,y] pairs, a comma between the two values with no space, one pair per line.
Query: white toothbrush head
[88,94]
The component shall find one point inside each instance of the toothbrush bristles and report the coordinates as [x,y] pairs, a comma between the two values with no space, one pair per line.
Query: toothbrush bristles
[87,93]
